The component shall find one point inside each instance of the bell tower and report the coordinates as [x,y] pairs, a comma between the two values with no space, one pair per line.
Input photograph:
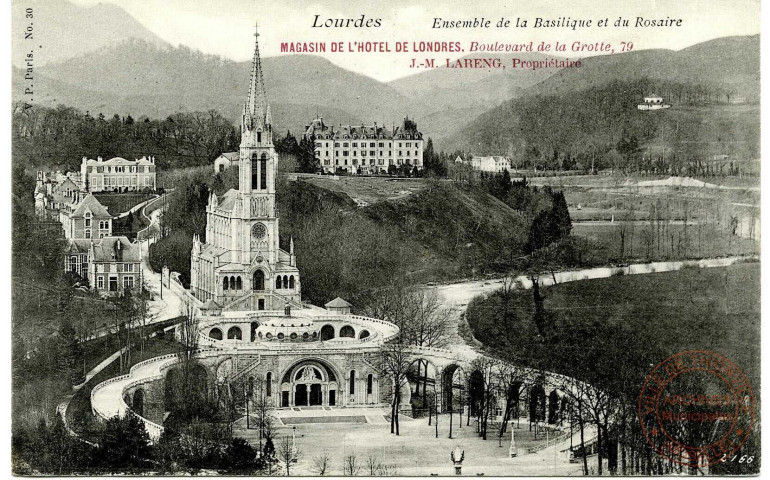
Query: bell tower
[258,161]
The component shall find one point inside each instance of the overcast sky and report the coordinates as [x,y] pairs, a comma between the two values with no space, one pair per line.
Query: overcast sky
[225,27]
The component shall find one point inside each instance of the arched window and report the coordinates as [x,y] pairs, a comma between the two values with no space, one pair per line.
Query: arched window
[259,137]
[269,384]
[263,172]
[216,334]
[363,334]
[327,332]
[285,281]
[224,283]
[254,326]
[369,384]
[232,283]
[254,172]
[234,333]
[291,281]
[352,382]
[238,283]
[278,282]
[258,282]
[347,331]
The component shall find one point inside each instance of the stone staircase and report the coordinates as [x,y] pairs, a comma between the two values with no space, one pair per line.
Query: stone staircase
[249,362]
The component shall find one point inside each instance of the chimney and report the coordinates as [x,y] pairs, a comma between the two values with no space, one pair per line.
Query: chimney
[99,159]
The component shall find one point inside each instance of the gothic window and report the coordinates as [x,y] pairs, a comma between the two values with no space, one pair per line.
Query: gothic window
[285,281]
[352,382]
[259,137]
[278,282]
[263,172]
[232,283]
[254,173]
[258,231]
[258,282]
[238,283]
[224,283]
[291,281]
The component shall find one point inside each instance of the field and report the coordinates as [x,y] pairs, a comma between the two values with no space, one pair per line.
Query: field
[369,189]
[677,242]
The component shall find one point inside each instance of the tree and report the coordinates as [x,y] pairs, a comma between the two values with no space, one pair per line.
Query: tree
[394,366]
[288,453]
[350,466]
[512,380]
[484,369]
[124,446]
[240,456]
[321,463]
[433,164]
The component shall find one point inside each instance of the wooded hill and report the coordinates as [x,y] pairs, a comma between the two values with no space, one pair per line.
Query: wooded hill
[602,123]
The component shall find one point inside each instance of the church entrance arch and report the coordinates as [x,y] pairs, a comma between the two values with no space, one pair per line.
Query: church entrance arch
[309,383]
[258,281]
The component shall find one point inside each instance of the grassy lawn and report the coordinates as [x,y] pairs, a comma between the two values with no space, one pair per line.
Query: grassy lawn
[370,189]
[709,308]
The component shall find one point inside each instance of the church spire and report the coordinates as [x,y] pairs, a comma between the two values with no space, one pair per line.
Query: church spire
[255,111]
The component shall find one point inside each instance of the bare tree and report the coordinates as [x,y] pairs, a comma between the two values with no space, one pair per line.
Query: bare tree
[373,464]
[350,466]
[321,463]
[394,365]
[511,380]
[487,368]
[288,453]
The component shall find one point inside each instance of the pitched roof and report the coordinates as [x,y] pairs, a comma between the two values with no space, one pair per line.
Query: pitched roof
[232,156]
[119,161]
[210,305]
[227,201]
[91,203]
[338,303]
[116,249]
[79,246]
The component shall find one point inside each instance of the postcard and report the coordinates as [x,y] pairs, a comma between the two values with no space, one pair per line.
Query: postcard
[404,239]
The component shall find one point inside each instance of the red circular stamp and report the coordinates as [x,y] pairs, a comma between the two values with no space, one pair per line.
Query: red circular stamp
[696,408]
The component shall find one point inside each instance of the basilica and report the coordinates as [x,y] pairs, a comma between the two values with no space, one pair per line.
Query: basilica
[240,265]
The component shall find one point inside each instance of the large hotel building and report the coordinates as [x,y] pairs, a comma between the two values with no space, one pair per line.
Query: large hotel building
[365,149]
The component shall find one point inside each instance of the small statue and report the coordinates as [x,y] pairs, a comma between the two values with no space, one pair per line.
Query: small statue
[457,457]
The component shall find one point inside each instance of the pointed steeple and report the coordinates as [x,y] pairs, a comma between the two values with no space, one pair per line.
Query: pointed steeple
[256,110]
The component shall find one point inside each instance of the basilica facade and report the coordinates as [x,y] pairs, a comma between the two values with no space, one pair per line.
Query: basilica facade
[240,265]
